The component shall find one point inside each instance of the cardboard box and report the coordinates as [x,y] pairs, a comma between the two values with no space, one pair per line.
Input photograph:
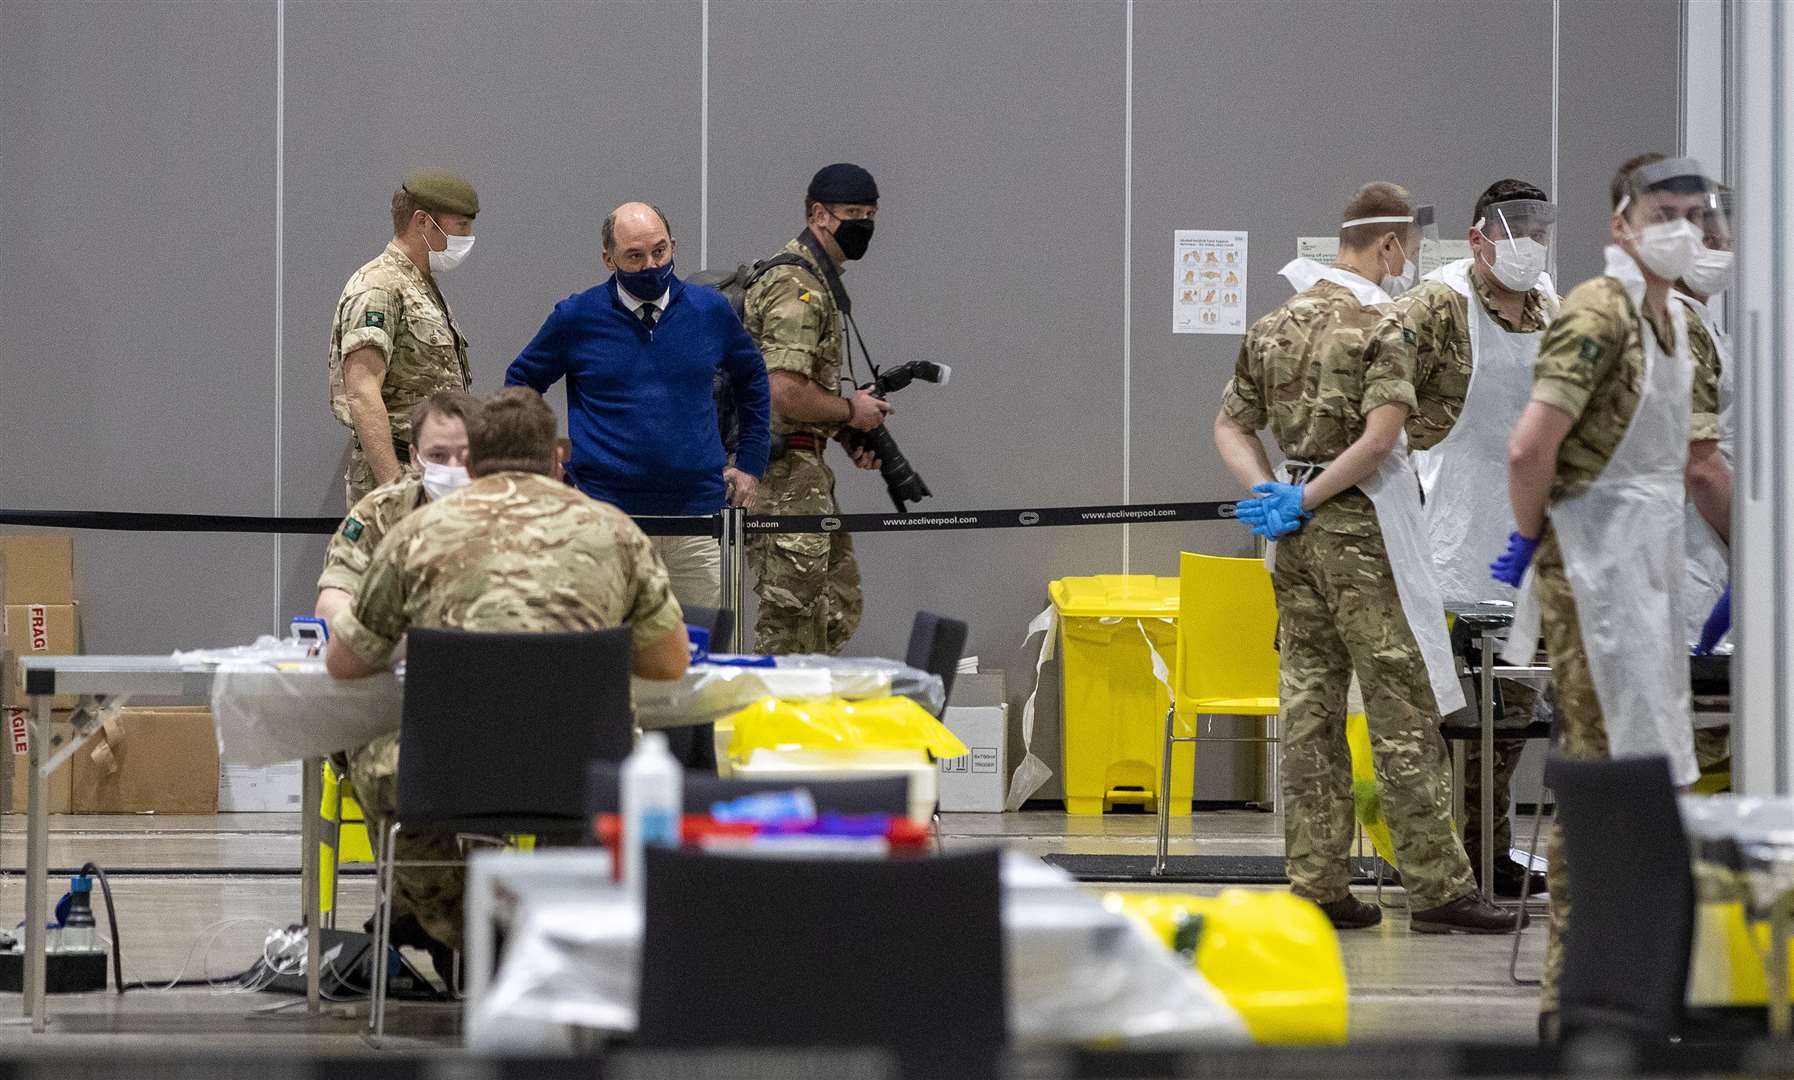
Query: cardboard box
[976,712]
[61,783]
[260,789]
[38,630]
[150,761]
[36,569]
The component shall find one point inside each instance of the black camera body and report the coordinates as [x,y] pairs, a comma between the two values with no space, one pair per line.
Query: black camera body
[902,482]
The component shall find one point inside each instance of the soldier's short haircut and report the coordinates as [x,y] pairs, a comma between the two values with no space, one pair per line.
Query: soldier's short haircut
[607,233]
[1622,180]
[1505,191]
[404,204]
[449,404]
[514,431]
[1377,199]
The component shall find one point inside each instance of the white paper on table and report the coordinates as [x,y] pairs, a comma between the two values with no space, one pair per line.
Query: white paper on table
[1208,281]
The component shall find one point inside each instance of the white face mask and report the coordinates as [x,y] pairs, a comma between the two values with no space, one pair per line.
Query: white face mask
[1518,263]
[441,262]
[1711,272]
[1397,284]
[1669,248]
[441,481]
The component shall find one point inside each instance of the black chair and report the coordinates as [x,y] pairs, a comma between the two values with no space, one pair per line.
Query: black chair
[935,645]
[874,795]
[1625,962]
[905,955]
[719,621]
[490,747]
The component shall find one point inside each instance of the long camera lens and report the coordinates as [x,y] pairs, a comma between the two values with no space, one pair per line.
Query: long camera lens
[902,482]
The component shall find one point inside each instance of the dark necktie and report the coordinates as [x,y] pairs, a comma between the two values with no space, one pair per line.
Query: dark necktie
[648,315]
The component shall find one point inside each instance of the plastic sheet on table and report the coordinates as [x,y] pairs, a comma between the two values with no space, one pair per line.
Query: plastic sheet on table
[891,723]
[267,714]
[1077,973]
[266,650]
[710,692]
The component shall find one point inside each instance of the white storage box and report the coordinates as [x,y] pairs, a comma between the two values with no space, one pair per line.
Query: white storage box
[259,789]
[978,715]
[797,765]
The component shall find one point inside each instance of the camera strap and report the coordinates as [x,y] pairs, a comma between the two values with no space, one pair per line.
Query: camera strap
[831,278]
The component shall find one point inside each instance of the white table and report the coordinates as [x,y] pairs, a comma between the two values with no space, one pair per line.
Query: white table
[1077,972]
[286,705]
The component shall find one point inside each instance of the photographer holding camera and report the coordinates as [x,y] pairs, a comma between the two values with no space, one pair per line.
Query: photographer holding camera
[808,583]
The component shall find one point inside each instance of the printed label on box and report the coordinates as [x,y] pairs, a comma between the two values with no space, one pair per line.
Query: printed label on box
[984,759]
[21,732]
[956,765]
[40,628]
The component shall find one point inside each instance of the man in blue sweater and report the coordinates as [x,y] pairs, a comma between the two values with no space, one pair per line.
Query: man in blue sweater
[640,353]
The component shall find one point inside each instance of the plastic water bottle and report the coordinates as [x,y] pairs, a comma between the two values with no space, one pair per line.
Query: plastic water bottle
[651,796]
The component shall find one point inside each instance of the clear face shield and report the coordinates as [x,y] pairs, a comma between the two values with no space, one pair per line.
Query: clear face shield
[1519,234]
[1712,269]
[1672,217]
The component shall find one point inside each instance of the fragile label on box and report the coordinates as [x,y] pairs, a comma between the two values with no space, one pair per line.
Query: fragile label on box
[21,732]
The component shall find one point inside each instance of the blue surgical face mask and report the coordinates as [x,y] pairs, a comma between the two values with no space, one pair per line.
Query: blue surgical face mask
[647,284]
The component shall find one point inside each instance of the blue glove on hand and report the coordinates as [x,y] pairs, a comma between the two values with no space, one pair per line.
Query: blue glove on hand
[1511,567]
[1276,512]
[1718,624]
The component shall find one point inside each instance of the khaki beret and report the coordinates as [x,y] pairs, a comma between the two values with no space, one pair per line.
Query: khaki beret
[442,191]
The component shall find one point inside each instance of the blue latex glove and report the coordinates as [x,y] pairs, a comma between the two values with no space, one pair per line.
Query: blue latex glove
[1511,567]
[1276,512]
[1717,624]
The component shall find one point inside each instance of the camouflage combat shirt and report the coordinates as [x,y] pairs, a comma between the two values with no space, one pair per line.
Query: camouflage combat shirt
[1428,333]
[511,551]
[390,305]
[1591,365]
[793,318]
[352,545]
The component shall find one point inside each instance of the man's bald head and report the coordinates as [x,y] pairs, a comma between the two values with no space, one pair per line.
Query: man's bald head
[632,224]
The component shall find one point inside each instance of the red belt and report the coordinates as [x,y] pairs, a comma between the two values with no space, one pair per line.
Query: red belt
[802,441]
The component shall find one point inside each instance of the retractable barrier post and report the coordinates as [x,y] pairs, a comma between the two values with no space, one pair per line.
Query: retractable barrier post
[734,542]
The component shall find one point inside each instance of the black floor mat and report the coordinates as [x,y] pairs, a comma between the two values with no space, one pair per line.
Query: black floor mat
[1200,869]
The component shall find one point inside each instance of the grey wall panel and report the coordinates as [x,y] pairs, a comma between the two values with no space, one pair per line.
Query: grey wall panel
[136,314]
[1224,140]
[556,111]
[995,133]
[1619,98]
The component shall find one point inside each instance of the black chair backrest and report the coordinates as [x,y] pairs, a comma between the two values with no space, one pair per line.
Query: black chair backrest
[719,621]
[503,724]
[902,954]
[935,645]
[873,795]
[1626,953]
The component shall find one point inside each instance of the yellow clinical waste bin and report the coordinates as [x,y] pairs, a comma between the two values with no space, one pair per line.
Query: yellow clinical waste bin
[1112,703]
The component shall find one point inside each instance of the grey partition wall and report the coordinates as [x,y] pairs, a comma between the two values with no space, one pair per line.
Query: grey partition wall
[191,183]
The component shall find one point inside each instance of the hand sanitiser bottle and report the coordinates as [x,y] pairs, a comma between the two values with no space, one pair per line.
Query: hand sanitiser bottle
[651,797]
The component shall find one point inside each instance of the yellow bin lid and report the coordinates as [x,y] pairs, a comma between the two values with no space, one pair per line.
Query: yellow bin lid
[1125,596]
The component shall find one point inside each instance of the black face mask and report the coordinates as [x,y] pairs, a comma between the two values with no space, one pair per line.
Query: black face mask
[854,235]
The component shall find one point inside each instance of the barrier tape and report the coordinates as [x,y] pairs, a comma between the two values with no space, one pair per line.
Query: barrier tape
[754,524]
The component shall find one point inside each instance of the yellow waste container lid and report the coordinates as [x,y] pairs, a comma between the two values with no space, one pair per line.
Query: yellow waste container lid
[1124,596]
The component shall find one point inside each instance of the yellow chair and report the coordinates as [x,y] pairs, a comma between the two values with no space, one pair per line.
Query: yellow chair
[1226,665]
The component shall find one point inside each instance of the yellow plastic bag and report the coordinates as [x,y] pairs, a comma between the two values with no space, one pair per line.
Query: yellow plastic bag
[1273,956]
[892,723]
[1367,798]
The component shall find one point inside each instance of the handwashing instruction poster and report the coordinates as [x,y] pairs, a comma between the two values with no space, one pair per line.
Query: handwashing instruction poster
[1209,271]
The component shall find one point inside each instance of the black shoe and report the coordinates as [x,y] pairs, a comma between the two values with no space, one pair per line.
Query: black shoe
[1351,913]
[408,933]
[1466,915]
[1508,884]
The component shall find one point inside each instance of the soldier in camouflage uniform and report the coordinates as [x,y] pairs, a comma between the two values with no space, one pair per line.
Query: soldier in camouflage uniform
[394,341]
[514,550]
[809,583]
[1430,330]
[1588,383]
[1303,372]
[437,467]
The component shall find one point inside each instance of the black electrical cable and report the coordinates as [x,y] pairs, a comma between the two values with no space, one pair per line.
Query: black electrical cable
[118,963]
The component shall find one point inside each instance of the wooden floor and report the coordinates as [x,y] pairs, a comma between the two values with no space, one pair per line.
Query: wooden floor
[185,918]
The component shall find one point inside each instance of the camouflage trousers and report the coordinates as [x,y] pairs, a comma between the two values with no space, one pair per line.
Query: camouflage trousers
[808,583]
[358,478]
[433,894]
[1581,733]
[1338,611]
